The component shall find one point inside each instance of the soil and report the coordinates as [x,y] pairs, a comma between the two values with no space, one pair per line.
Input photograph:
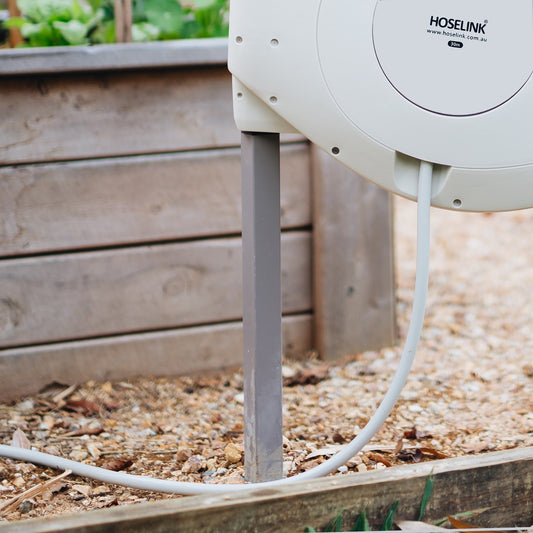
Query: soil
[470,391]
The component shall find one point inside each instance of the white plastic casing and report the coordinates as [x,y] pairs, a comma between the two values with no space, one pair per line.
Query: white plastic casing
[382,84]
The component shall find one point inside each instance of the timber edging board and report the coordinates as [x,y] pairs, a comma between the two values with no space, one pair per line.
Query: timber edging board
[188,52]
[496,487]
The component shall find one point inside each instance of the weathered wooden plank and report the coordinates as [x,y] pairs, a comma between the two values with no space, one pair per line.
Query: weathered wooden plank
[87,204]
[185,351]
[353,260]
[180,53]
[73,296]
[79,116]
[496,487]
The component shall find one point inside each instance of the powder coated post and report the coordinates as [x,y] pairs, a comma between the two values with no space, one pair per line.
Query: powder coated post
[263,430]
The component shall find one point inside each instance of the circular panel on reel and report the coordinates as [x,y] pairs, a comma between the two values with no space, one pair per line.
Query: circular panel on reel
[455,57]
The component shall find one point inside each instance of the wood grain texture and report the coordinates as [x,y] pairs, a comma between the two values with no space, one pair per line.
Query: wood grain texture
[353,260]
[185,351]
[496,487]
[73,296]
[80,116]
[88,204]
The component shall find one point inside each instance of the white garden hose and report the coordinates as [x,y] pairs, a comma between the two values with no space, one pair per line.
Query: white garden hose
[352,448]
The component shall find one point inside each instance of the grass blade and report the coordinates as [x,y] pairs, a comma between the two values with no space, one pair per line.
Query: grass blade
[361,524]
[336,523]
[389,520]
[426,496]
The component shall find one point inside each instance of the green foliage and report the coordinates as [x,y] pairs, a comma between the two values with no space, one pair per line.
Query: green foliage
[57,22]
[427,494]
[169,19]
[211,17]
[75,22]
[336,523]
[361,524]
[389,519]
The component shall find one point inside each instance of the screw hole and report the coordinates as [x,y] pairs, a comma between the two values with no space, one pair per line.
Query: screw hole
[274,42]
[335,150]
[238,39]
[273,99]
[239,95]
[457,203]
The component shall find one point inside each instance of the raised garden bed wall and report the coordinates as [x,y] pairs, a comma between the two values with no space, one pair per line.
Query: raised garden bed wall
[492,490]
[120,249]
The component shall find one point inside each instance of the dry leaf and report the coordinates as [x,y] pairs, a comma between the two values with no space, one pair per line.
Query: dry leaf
[116,464]
[338,438]
[434,453]
[413,525]
[85,430]
[20,440]
[205,382]
[83,406]
[460,524]
[399,446]
[415,434]
[308,376]
[411,454]
[378,458]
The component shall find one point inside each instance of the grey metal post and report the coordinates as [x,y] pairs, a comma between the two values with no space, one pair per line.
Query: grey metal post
[263,430]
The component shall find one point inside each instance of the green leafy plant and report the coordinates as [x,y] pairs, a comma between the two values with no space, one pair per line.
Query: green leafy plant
[211,17]
[75,22]
[57,22]
[169,19]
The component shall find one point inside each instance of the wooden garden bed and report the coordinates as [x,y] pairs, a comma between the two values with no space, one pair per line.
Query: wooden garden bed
[120,226]
[495,488]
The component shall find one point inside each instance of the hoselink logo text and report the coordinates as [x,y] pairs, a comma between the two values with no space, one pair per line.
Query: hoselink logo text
[458,24]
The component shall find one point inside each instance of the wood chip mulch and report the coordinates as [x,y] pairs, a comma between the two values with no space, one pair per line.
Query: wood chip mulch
[470,391]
